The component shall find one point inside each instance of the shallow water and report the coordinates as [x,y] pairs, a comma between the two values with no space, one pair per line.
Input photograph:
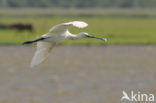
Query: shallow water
[76,74]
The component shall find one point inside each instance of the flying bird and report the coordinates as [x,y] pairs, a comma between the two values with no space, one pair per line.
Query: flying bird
[56,34]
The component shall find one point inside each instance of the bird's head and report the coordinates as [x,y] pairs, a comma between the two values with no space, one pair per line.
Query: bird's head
[86,35]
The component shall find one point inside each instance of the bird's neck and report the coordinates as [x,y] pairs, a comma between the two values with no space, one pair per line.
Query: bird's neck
[76,36]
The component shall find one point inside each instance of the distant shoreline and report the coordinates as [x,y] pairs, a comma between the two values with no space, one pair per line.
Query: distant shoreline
[80,12]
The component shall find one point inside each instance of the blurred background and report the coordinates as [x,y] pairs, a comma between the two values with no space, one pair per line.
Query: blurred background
[79,71]
[121,21]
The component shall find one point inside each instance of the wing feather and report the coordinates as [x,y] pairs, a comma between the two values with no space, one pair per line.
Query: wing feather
[63,27]
[79,24]
[42,52]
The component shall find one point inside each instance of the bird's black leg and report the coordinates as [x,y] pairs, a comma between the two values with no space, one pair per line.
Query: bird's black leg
[29,42]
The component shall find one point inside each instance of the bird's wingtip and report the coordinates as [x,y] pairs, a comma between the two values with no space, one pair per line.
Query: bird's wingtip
[31,66]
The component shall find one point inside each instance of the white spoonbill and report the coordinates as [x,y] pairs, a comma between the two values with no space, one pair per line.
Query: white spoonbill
[56,34]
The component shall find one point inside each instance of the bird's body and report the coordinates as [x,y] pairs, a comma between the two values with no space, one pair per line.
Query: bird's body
[51,37]
[56,34]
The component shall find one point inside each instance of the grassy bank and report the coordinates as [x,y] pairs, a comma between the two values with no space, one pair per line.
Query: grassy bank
[118,30]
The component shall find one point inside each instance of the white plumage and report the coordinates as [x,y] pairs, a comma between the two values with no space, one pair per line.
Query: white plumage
[63,27]
[56,34]
[42,52]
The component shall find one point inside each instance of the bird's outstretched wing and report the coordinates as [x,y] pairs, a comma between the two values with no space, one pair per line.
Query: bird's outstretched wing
[42,52]
[63,27]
